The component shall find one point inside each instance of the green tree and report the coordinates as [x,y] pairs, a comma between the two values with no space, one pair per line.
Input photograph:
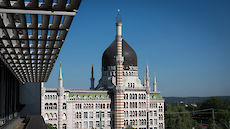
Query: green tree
[177,117]
[49,126]
[222,112]
[129,127]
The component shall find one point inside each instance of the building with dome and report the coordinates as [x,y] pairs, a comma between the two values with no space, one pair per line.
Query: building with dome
[119,99]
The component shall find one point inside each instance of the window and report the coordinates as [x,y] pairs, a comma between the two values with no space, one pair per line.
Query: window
[46,117]
[64,116]
[85,114]
[144,96]
[151,113]
[151,121]
[102,114]
[55,106]
[108,114]
[90,114]
[55,116]
[78,125]
[97,115]
[160,125]
[97,124]
[64,105]
[78,114]
[64,126]
[108,123]
[85,124]
[155,113]
[91,124]
[50,106]
[103,123]
[155,121]
[46,106]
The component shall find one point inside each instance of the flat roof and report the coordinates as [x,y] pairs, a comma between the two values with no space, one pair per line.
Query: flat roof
[32,34]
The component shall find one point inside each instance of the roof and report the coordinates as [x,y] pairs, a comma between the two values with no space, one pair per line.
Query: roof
[108,58]
[32,34]
[156,96]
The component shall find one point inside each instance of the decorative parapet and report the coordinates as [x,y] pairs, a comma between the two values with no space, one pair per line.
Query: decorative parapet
[155,96]
[88,96]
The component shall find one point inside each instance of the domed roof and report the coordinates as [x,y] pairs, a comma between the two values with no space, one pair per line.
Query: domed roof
[108,58]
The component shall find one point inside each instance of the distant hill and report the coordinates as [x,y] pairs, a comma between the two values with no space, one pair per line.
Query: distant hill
[189,100]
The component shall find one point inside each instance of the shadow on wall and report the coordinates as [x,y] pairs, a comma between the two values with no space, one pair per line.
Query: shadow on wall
[30,98]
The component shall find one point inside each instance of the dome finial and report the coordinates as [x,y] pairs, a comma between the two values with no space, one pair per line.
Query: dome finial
[118,18]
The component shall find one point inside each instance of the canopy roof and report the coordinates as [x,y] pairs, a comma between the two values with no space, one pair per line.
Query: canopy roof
[32,33]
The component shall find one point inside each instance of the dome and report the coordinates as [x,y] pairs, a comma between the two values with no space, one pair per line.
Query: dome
[108,58]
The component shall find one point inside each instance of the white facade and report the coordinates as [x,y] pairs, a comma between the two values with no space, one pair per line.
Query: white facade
[99,107]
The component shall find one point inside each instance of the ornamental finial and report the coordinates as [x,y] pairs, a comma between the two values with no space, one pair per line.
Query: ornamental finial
[118,18]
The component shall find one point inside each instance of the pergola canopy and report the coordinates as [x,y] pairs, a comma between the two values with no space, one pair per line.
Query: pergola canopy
[32,33]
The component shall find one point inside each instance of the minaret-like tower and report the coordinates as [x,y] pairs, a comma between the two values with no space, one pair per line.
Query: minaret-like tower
[147,76]
[147,82]
[92,79]
[60,98]
[119,88]
[43,89]
[155,84]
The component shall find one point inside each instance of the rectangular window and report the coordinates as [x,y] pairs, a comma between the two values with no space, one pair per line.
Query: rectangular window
[91,124]
[155,113]
[85,114]
[90,114]
[108,123]
[97,124]
[108,114]
[155,121]
[151,113]
[102,114]
[97,115]
[151,121]
[103,123]
[85,124]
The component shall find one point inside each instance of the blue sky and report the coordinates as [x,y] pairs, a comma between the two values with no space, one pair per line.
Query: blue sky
[186,43]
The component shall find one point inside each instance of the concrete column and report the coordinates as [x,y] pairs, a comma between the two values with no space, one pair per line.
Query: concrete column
[2,95]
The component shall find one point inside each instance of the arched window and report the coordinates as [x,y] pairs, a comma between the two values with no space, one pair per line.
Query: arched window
[64,105]
[45,97]
[50,106]
[64,126]
[55,126]
[55,106]
[55,116]
[46,106]
[46,117]
[50,116]
[64,116]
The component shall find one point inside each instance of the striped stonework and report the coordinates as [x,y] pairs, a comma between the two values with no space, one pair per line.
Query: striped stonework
[119,95]
[147,108]
[119,111]
[60,102]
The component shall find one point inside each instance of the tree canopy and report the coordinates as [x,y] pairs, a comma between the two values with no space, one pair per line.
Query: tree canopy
[177,117]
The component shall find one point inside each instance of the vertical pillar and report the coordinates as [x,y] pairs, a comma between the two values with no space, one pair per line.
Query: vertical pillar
[60,103]
[60,99]
[119,90]
[2,94]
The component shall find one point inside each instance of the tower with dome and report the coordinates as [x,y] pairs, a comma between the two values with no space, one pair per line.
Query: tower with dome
[119,100]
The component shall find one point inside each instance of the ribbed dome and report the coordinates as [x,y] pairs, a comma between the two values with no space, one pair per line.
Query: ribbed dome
[108,58]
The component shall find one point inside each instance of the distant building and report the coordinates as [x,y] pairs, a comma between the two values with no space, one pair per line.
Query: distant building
[119,100]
